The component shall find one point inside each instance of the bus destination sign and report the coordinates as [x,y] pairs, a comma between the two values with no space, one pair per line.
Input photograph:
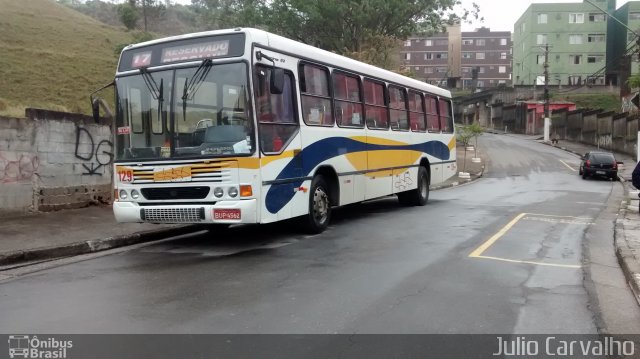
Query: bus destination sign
[191,49]
[195,51]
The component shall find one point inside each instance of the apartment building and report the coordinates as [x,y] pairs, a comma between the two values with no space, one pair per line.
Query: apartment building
[622,47]
[451,59]
[575,37]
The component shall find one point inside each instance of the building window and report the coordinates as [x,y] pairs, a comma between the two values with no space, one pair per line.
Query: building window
[467,42]
[595,38]
[542,18]
[441,69]
[503,42]
[480,42]
[467,55]
[541,39]
[503,56]
[479,55]
[428,70]
[576,18]
[407,43]
[575,39]
[593,59]
[466,69]
[407,56]
[442,55]
[634,15]
[597,18]
[428,56]
[480,70]
[523,27]
[575,59]
[502,69]
[428,42]
[480,83]
[540,59]
[442,42]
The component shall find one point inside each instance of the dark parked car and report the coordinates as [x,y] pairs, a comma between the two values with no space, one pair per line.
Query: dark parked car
[602,164]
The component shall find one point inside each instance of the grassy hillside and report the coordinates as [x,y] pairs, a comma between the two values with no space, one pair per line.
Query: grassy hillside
[605,101]
[52,56]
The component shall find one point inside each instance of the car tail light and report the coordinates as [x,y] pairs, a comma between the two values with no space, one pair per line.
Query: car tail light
[587,164]
[615,165]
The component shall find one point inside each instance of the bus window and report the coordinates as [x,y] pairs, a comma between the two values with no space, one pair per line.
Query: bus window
[276,113]
[416,112]
[316,102]
[446,121]
[348,100]
[398,108]
[375,108]
[433,124]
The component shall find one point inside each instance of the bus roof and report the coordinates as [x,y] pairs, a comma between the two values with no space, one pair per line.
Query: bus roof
[280,43]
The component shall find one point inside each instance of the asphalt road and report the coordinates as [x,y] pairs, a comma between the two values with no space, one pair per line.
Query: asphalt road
[500,255]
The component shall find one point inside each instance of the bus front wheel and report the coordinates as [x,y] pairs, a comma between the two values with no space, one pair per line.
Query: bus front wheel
[420,195]
[319,206]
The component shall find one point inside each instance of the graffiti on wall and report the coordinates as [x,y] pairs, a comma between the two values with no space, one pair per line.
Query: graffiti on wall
[16,167]
[98,156]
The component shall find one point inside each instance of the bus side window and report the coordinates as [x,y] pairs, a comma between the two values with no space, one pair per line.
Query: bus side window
[316,102]
[446,120]
[398,108]
[416,112]
[276,113]
[375,108]
[348,100]
[433,124]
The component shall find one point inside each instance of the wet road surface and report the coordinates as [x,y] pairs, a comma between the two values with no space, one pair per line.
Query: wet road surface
[500,255]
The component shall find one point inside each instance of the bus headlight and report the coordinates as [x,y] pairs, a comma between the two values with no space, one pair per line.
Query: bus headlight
[123,194]
[233,192]
[218,192]
[135,194]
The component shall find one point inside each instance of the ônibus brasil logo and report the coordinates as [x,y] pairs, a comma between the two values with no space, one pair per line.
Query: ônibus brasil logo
[24,346]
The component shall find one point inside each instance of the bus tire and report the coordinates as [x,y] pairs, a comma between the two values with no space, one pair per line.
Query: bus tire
[319,206]
[420,195]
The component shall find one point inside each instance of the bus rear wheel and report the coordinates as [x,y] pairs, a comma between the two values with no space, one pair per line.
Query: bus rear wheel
[319,206]
[420,195]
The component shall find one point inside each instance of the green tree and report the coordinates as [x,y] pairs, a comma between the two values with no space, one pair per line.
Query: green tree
[475,130]
[128,15]
[368,30]
[464,135]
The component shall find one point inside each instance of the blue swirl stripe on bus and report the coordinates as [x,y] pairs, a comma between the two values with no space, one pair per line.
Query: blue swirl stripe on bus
[279,195]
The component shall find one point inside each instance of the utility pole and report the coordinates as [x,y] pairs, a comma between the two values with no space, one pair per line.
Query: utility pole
[547,120]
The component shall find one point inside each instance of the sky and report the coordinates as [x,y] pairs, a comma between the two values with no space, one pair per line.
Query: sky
[500,15]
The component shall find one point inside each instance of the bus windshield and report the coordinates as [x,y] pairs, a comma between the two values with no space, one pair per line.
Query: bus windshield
[201,111]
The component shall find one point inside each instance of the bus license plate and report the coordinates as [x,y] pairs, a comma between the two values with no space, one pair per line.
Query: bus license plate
[600,172]
[226,214]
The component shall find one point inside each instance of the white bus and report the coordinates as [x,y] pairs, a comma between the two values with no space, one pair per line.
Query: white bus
[244,126]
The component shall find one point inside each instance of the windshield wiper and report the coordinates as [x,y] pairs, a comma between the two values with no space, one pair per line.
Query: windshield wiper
[191,87]
[157,92]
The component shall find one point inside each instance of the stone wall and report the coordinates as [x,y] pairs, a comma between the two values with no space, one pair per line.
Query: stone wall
[53,160]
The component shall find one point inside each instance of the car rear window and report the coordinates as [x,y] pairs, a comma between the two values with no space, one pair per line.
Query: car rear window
[602,157]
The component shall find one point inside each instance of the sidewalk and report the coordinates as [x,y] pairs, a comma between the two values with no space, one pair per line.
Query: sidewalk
[627,227]
[50,235]
[44,236]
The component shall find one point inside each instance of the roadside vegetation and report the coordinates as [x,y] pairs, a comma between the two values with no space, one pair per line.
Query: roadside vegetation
[53,57]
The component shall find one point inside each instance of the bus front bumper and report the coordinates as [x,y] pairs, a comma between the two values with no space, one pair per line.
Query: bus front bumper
[243,211]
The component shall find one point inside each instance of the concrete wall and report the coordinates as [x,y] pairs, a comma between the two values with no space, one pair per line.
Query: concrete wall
[53,160]
[607,130]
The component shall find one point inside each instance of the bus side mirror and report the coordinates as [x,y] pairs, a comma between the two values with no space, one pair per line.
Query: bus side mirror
[95,107]
[276,85]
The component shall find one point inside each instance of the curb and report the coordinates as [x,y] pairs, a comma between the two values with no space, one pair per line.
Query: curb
[93,245]
[629,264]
